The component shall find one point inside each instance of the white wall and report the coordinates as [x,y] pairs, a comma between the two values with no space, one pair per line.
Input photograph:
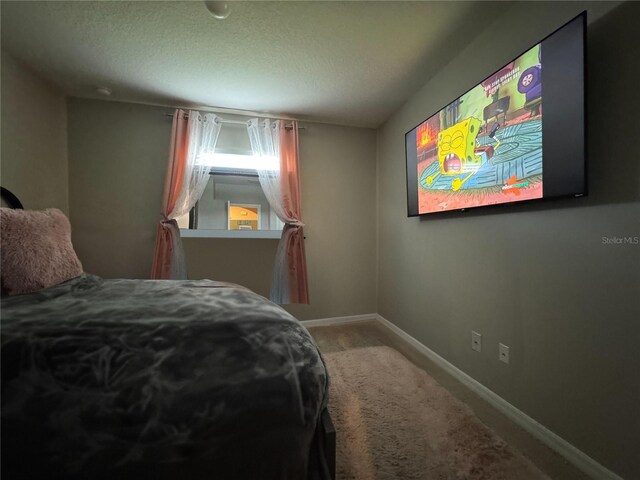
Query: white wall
[535,277]
[33,155]
[338,178]
[117,163]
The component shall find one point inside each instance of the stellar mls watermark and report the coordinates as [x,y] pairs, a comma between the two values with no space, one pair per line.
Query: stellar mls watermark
[621,240]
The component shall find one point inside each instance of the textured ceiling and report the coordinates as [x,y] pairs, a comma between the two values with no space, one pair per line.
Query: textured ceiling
[350,63]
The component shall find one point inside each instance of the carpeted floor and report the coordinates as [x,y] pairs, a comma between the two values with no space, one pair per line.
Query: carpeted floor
[394,421]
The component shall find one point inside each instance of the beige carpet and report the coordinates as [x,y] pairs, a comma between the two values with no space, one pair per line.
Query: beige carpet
[394,421]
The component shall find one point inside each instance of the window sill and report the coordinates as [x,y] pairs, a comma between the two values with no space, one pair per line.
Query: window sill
[265,234]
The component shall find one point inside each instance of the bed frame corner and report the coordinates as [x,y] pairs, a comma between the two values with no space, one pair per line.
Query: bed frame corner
[329,440]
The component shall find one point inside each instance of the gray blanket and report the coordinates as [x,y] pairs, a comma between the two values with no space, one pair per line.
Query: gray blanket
[157,379]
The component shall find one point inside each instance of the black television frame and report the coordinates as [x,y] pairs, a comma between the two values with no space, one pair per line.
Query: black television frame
[564,181]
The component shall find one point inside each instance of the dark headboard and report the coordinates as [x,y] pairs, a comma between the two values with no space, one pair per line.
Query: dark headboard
[10,199]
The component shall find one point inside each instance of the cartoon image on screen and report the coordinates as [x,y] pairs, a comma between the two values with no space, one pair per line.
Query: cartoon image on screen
[485,147]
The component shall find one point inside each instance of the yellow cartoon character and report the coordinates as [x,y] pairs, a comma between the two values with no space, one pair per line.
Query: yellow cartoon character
[456,155]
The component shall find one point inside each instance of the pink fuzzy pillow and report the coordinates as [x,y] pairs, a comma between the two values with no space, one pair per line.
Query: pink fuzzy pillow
[36,250]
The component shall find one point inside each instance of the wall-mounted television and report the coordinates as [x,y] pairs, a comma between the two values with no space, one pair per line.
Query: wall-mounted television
[518,135]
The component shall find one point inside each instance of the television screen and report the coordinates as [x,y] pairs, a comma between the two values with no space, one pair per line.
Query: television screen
[518,135]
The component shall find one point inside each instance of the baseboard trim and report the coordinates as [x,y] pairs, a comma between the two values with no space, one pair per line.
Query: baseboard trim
[577,457]
[322,322]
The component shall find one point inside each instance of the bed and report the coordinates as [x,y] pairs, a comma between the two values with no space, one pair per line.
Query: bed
[160,379]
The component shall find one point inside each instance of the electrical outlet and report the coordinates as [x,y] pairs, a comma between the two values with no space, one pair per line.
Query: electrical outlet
[476,341]
[503,353]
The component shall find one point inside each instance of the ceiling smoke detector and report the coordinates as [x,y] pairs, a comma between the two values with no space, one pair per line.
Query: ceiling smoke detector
[220,10]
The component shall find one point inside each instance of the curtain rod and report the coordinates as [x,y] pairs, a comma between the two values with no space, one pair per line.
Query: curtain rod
[237,122]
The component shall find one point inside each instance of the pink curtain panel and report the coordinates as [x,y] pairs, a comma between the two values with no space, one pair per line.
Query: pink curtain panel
[292,274]
[168,254]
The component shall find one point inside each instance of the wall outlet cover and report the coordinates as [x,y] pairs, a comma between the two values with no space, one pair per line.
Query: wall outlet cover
[476,341]
[503,353]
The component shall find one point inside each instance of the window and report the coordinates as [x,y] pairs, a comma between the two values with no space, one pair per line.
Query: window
[233,203]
